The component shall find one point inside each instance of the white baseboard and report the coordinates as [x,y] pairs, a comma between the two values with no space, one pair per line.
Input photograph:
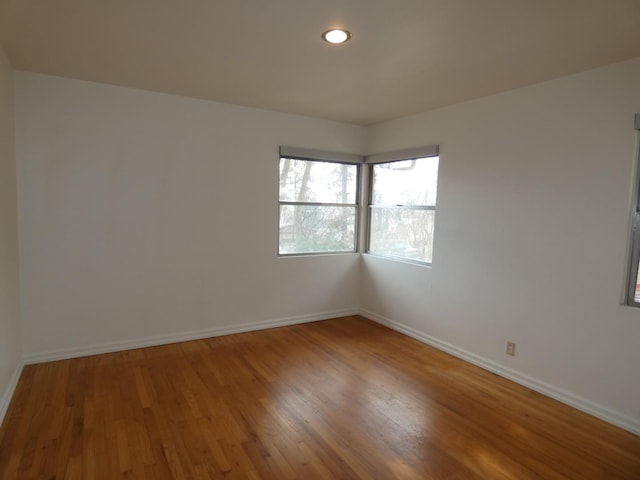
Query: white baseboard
[616,418]
[5,400]
[74,352]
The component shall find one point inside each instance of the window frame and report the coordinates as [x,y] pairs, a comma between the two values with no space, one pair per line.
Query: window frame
[634,244]
[310,155]
[391,157]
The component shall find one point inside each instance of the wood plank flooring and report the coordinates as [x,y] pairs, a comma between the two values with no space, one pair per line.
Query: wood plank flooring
[339,399]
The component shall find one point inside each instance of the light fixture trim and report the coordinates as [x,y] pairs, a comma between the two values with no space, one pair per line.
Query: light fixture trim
[336,36]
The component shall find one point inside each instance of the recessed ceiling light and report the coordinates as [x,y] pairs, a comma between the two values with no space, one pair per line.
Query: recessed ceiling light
[336,35]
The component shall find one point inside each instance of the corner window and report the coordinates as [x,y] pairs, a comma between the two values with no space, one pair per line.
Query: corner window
[318,205]
[402,208]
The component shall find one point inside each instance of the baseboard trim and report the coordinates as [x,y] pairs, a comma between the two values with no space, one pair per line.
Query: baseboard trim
[615,418]
[75,352]
[610,416]
[10,390]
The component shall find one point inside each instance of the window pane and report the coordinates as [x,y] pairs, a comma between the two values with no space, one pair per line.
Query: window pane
[409,182]
[402,232]
[316,229]
[317,182]
[636,292]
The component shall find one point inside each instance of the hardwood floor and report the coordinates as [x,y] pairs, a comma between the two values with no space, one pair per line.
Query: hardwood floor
[339,399]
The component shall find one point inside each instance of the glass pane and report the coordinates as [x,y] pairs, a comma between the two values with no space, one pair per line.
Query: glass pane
[321,182]
[410,182]
[316,229]
[402,232]
[636,292]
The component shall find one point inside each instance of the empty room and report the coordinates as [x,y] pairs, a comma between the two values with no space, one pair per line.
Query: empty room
[329,239]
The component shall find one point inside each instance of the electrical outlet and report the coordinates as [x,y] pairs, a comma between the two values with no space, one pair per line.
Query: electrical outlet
[511,348]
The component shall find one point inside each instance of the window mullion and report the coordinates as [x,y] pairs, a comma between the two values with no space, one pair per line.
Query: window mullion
[319,204]
[408,207]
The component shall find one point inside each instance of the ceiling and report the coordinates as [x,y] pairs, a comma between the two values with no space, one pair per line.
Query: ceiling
[406,56]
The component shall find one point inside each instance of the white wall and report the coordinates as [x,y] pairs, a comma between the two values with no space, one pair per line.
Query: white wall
[9,317]
[145,215]
[531,235]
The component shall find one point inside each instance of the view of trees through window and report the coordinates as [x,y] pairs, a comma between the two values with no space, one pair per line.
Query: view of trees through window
[318,206]
[402,208]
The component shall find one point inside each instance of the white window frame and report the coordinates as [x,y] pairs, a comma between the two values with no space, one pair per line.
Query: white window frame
[389,157]
[306,154]
[634,249]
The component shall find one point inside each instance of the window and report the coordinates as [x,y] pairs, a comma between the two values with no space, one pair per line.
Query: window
[318,202]
[633,283]
[402,205]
